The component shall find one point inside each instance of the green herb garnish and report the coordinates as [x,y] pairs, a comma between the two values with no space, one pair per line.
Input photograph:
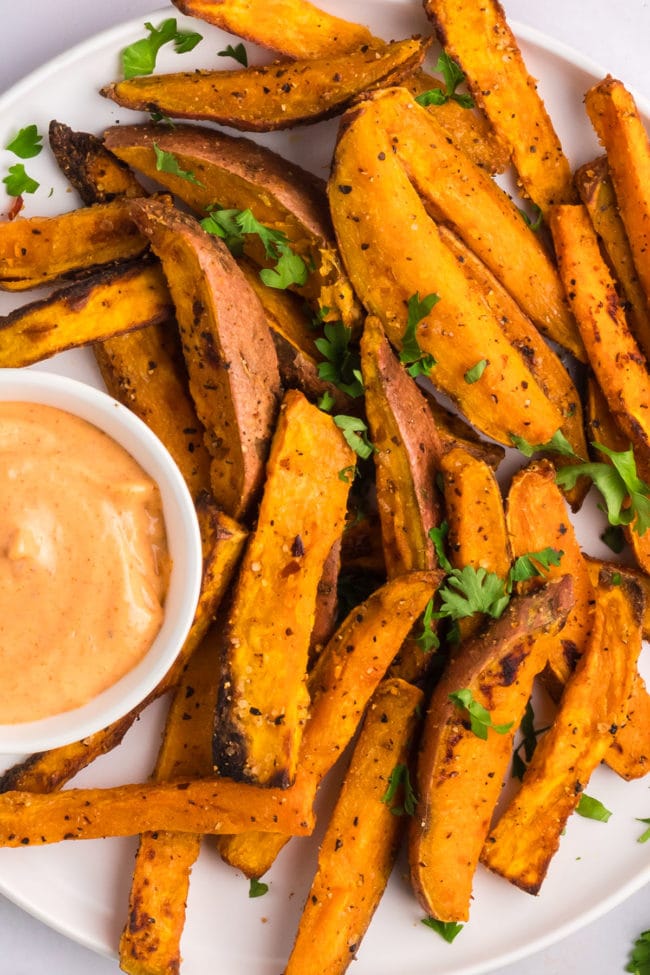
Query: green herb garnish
[558,444]
[536,222]
[528,743]
[474,374]
[238,52]
[166,162]
[27,143]
[446,929]
[418,362]
[343,364]
[645,836]
[480,718]
[355,432]
[257,888]
[18,181]
[438,535]
[428,638]
[453,77]
[139,58]
[639,963]
[469,590]
[400,782]
[592,808]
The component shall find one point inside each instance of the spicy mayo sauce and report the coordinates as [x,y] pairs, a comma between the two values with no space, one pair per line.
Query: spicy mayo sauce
[83,561]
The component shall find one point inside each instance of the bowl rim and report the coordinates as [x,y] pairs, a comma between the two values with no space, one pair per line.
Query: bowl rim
[183,539]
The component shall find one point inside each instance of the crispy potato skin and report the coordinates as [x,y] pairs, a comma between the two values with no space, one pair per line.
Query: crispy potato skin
[478,37]
[112,302]
[230,356]
[237,173]
[392,250]
[97,175]
[526,836]
[460,775]
[362,838]
[280,95]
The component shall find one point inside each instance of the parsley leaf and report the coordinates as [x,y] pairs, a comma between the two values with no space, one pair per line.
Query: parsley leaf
[639,963]
[474,374]
[348,474]
[18,182]
[557,444]
[418,362]
[290,269]
[400,781]
[453,77]
[428,638]
[538,217]
[233,225]
[626,496]
[479,717]
[166,162]
[238,52]
[469,590]
[343,365]
[27,143]
[257,888]
[355,432]
[528,566]
[446,929]
[645,836]
[592,808]
[438,535]
[326,402]
[140,57]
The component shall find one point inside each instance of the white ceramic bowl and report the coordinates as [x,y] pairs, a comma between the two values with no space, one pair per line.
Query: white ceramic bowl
[183,539]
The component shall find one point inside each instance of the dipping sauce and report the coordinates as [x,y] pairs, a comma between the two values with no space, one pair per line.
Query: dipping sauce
[84,564]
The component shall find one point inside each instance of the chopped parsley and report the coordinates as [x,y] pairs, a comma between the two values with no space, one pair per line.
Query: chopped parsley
[355,432]
[480,718]
[446,929]
[469,590]
[257,888]
[326,402]
[343,364]
[139,58]
[592,808]
[453,76]
[639,963]
[418,362]
[428,638]
[17,181]
[232,226]
[238,53]
[558,444]
[27,143]
[399,783]
[474,374]
[537,219]
[645,836]
[438,535]
[166,162]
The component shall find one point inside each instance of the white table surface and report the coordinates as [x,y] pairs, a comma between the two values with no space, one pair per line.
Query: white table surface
[616,36]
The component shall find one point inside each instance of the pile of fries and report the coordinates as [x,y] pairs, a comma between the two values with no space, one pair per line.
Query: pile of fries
[364,580]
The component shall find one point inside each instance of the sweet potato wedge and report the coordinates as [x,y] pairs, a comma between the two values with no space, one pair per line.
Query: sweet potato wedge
[96,174]
[596,191]
[115,301]
[527,835]
[279,95]
[239,174]
[298,29]
[615,357]
[459,194]
[361,841]
[478,37]
[233,373]
[537,518]
[145,371]
[460,775]
[341,683]
[616,120]
[454,432]
[223,541]
[263,697]
[545,365]
[150,940]
[40,250]
[407,455]
[190,806]
[393,251]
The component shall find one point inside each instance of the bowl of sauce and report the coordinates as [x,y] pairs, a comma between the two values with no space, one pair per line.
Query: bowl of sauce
[100,560]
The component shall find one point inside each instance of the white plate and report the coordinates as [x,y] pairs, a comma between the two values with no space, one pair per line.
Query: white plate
[82,888]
